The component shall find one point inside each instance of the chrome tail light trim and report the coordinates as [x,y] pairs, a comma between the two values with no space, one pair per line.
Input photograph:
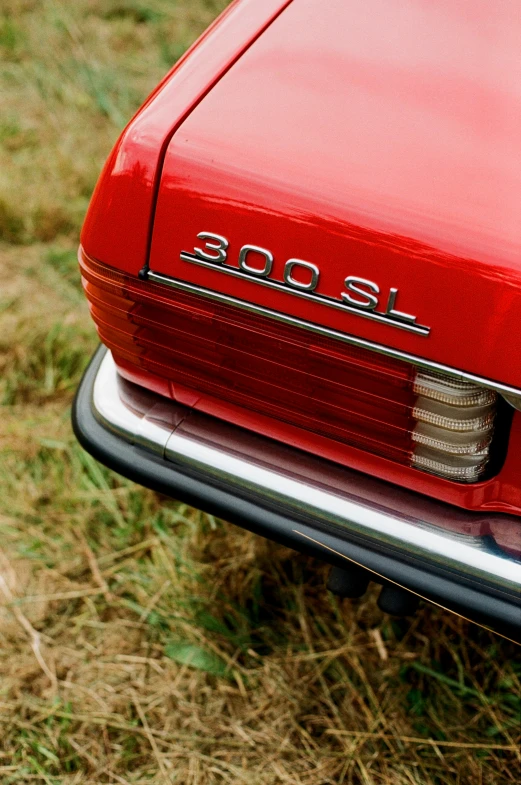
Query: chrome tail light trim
[511,394]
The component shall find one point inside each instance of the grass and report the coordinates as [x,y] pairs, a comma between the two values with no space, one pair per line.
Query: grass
[140,640]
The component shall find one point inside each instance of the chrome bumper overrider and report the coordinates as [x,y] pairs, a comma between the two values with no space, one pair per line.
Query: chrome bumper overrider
[305,488]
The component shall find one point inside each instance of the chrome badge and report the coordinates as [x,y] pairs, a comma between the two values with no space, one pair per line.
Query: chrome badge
[360,296]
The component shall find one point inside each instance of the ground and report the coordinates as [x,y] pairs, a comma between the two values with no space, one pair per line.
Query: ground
[142,641]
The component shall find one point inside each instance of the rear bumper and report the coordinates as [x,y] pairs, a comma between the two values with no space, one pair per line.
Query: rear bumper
[441,553]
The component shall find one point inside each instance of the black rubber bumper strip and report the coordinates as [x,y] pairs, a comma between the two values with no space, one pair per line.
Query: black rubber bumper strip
[499,613]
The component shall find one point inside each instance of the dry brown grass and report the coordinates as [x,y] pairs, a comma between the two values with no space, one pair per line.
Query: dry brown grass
[141,641]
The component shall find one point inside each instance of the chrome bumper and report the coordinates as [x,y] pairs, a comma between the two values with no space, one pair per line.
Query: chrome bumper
[331,511]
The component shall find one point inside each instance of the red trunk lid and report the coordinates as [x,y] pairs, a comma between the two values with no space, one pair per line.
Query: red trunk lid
[379,140]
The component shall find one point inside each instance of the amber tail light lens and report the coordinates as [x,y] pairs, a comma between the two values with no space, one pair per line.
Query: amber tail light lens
[390,408]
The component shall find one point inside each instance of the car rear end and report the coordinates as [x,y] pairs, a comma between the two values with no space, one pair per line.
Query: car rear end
[303,259]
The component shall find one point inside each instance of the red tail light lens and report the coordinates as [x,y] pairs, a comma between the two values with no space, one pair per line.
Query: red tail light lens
[353,396]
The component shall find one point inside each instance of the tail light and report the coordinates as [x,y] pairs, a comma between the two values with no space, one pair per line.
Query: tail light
[390,408]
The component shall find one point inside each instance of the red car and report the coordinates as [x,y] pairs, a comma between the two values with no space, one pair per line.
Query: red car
[303,257]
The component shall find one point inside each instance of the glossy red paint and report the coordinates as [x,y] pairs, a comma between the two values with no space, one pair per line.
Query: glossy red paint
[377,139]
[381,140]
[118,223]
